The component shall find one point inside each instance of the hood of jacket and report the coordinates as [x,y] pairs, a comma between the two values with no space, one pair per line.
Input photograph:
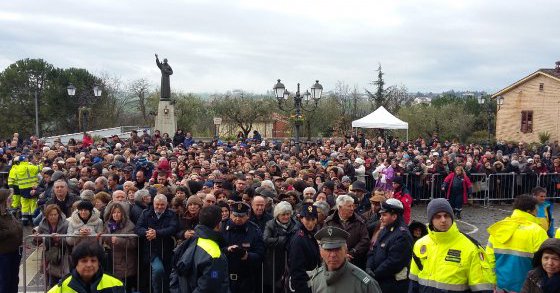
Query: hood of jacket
[503,230]
[552,244]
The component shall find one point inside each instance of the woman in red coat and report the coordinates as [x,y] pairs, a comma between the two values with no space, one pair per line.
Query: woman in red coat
[457,187]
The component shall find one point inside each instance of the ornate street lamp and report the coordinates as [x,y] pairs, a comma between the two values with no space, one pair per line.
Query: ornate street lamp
[481,101]
[307,102]
[84,111]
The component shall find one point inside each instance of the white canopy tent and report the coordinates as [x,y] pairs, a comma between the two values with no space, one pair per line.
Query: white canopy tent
[381,118]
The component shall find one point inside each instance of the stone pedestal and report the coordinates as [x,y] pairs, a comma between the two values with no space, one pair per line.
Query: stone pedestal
[165,119]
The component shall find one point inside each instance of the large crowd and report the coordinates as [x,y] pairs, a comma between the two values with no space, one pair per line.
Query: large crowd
[258,215]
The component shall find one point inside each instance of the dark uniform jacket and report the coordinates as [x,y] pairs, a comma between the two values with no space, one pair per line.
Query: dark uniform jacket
[358,242]
[201,266]
[391,254]
[249,237]
[303,256]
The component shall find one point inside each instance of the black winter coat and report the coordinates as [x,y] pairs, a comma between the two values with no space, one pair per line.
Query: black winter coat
[166,227]
[275,238]
[303,256]
[392,251]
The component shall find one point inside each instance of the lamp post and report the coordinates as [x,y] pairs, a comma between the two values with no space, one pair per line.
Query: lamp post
[482,100]
[301,102]
[37,88]
[83,111]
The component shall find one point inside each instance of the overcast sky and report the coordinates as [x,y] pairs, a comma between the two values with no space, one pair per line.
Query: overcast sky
[215,46]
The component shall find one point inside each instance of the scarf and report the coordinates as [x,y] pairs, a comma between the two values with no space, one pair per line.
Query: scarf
[112,226]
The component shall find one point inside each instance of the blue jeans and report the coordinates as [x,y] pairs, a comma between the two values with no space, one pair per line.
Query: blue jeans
[158,273]
[9,272]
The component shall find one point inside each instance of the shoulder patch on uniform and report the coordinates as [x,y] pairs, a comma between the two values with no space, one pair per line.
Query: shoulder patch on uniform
[361,275]
[423,249]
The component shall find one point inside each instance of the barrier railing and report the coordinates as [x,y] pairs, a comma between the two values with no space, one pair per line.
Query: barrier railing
[486,188]
[551,181]
[49,256]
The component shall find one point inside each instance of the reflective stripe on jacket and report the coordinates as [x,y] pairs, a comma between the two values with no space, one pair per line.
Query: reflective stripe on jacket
[510,248]
[449,261]
[26,175]
[105,284]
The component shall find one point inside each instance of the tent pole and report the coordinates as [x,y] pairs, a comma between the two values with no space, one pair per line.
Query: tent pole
[407,134]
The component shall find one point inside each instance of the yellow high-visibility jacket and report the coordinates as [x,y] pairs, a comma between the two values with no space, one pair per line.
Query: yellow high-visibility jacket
[510,248]
[449,261]
[104,283]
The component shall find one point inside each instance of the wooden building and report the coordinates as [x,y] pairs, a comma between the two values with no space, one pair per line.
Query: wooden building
[530,106]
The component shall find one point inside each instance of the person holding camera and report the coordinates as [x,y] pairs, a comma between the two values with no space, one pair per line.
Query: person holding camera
[245,249]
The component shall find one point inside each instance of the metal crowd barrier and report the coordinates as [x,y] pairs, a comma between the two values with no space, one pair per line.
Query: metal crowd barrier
[44,273]
[4,179]
[500,187]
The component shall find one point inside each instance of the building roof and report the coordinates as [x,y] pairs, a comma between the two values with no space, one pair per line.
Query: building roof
[550,72]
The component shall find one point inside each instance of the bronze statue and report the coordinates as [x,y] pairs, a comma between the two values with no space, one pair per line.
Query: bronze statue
[166,71]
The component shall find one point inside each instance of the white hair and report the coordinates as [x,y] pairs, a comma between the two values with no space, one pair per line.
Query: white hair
[308,189]
[268,183]
[160,197]
[343,199]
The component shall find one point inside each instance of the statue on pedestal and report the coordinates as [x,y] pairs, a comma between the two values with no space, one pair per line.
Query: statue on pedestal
[166,71]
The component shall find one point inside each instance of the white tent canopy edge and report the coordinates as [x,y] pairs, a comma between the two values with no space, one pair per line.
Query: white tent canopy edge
[381,118]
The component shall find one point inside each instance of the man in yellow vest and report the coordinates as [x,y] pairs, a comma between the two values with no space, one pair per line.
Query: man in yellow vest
[27,180]
[447,260]
[12,183]
[512,243]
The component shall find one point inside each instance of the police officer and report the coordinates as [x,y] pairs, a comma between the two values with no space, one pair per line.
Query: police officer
[303,251]
[446,260]
[337,274]
[389,259]
[245,249]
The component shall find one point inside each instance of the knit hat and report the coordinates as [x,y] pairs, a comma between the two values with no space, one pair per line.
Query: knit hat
[85,205]
[439,205]
[281,208]
[194,199]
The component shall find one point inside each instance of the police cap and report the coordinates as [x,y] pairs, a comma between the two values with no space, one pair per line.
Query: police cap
[308,211]
[392,205]
[331,237]
[240,209]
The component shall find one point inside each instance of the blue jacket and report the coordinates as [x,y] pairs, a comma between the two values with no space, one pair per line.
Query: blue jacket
[201,266]
[544,217]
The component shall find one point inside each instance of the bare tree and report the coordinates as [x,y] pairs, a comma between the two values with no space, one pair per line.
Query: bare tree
[140,89]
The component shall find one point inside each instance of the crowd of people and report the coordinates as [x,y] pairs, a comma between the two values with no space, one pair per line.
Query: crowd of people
[172,214]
